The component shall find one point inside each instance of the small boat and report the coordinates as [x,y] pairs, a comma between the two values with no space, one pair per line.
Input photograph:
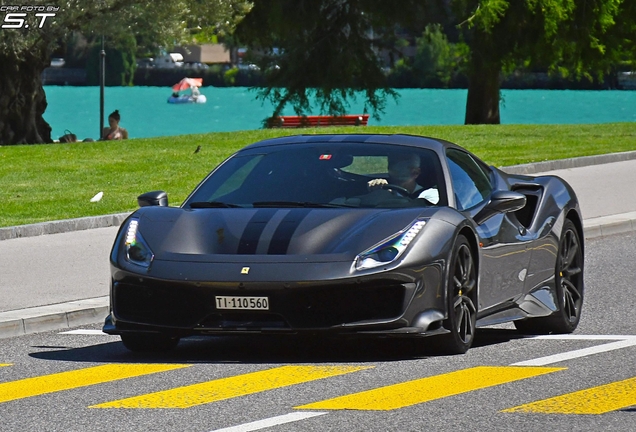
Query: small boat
[185,84]
[187,99]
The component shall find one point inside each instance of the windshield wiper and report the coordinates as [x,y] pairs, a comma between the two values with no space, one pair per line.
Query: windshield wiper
[212,204]
[306,204]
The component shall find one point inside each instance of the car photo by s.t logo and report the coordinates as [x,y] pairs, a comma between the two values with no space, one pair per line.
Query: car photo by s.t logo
[375,235]
[18,17]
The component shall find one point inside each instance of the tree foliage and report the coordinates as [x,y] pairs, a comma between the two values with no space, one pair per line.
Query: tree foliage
[568,37]
[25,52]
[437,62]
[323,50]
[164,22]
[329,47]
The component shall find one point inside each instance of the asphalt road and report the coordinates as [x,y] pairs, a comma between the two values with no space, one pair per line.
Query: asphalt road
[386,383]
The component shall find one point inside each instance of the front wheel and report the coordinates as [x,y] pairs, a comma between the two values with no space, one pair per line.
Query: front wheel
[149,342]
[461,300]
[568,278]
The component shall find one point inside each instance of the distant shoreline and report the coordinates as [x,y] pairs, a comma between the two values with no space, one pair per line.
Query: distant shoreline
[146,113]
[215,76]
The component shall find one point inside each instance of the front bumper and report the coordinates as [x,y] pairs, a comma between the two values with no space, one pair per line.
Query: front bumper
[389,302]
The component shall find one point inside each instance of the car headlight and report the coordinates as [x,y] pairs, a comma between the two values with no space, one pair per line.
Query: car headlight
[389,249]
[137,250]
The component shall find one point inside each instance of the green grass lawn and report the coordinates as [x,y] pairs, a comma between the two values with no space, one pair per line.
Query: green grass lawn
[56,181]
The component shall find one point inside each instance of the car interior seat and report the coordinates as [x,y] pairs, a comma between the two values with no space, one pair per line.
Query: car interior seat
[431,176]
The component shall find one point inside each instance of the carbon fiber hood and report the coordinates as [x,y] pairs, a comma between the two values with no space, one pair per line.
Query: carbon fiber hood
[269,234]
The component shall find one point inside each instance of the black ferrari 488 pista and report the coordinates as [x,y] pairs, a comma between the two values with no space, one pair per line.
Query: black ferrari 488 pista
[392,235]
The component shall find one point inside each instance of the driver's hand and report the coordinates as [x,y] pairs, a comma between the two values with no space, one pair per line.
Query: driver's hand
[376,184]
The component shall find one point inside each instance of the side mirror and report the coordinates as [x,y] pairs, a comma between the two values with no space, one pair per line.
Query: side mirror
[501,202]
[154,198]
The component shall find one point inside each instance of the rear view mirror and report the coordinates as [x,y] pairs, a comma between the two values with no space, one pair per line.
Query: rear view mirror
[154,198]
[501,202]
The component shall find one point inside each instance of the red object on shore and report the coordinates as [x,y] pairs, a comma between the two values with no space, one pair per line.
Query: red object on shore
[317,121]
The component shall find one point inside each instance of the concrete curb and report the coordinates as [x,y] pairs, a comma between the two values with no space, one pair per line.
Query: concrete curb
[62,226]
[609,225]
[53,317]
[538,167]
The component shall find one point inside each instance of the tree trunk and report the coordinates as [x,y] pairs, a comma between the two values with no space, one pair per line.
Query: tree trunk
[22,99]
[482,104]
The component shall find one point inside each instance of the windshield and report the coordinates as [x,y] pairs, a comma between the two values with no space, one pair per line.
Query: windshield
[325,175]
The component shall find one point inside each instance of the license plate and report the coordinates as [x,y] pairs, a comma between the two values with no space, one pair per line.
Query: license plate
[249,303]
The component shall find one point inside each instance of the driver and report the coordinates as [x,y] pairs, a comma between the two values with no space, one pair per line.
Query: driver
[403,172]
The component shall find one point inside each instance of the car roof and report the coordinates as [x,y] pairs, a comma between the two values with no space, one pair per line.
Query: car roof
[436,144]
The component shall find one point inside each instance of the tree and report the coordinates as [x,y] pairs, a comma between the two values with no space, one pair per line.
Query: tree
[25,51]
[329,46]
[433,57]
[437,63]
[326,50]
[570,37]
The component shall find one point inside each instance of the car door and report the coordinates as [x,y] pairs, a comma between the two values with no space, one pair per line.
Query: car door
[504,255]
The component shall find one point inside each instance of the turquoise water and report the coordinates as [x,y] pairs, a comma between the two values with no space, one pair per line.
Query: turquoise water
[146,113]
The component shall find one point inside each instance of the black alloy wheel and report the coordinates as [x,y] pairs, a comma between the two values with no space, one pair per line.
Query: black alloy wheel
[568,279]
[461,297]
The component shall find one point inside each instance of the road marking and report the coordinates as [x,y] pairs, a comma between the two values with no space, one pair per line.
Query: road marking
[595,400]
[227,388]
[265,423]
[583,337]
[84,332]
[569,355]
[5,364]
[428,389]
[78,378]
[270,422]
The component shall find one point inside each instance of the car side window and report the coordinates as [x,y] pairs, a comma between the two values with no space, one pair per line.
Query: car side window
[470,183]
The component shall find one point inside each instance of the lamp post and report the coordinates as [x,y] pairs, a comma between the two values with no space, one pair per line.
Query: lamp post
[102,74]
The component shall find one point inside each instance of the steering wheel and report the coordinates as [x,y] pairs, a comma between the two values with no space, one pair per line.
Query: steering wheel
[397,189]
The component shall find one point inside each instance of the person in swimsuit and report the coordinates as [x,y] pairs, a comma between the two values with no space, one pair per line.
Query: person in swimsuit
[114,132]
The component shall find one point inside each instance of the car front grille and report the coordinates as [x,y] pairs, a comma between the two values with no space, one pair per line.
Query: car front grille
[307,306]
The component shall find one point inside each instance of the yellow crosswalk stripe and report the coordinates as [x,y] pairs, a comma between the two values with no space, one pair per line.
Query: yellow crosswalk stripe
[227,388]
[78,378]
[595,400]
[428,389]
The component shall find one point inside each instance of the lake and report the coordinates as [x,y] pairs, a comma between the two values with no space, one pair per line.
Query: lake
[146,113]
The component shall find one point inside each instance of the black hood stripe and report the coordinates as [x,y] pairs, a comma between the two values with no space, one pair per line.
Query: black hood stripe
[285,231]
[253,230]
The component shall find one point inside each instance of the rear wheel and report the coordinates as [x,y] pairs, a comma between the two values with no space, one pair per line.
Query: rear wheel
[568,278]
[461,300]
[149,342]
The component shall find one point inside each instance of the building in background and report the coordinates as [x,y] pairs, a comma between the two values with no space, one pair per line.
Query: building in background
[207,53]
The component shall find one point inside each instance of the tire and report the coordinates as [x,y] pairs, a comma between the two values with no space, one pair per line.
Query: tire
[568,279]
[149,342]
[461,300]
